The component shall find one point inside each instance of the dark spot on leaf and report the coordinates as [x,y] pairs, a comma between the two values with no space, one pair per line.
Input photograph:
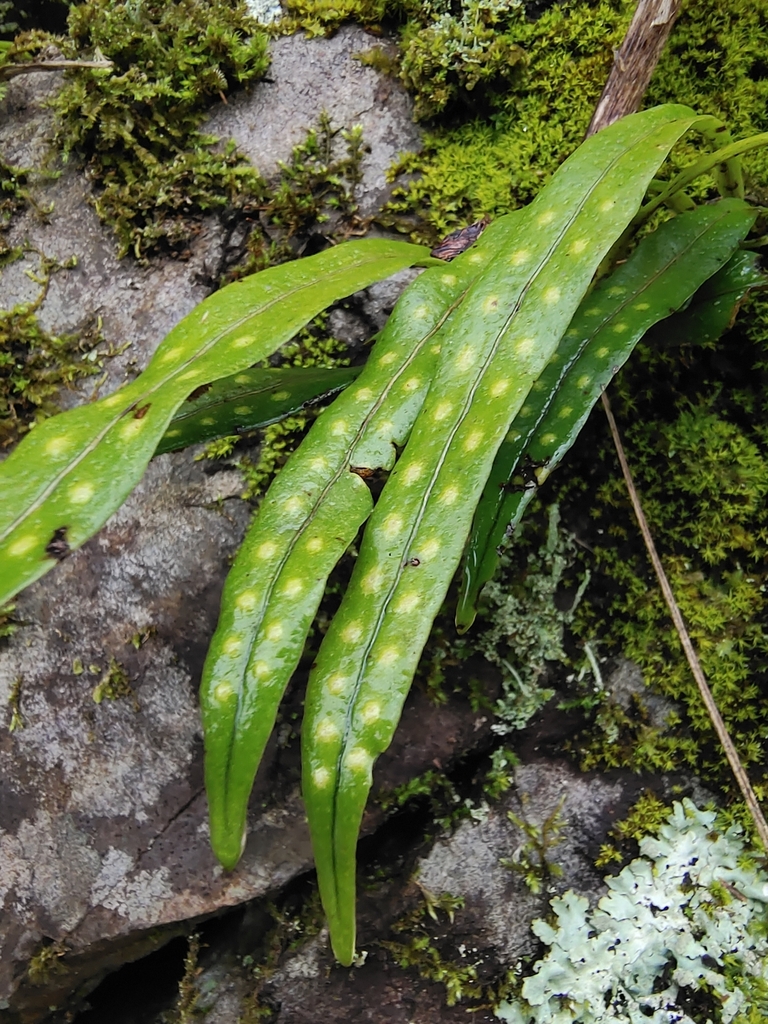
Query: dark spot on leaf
[141,412]
[198,392]
[57,547]
[413,561]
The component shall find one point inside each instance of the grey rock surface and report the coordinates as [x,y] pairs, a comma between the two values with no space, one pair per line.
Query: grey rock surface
[103,836]
[491,931]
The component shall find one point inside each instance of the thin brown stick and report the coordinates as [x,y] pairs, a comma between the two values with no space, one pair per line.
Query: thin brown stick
[635,61]
[690,653]
[12,70]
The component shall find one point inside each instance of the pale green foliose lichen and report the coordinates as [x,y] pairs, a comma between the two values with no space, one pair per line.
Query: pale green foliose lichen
[683,923]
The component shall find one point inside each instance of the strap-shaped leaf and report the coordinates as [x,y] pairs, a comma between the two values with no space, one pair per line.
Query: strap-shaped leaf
[715,305]
[659,277]
[308,518]
[493,349]
[71,472]
[250,400]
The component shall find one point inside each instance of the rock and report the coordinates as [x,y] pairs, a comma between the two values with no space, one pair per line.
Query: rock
[490,931]
[103,835]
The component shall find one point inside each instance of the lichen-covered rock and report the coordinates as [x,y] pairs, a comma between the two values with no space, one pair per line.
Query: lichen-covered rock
[103,833]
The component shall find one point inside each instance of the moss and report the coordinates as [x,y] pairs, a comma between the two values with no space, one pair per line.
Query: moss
[35,365]
[14,703]
[494,163]
[645,818]
[532,860]
[114,685]
[321,17]
[315,186]
[422,950]
[47,962]
[137,125]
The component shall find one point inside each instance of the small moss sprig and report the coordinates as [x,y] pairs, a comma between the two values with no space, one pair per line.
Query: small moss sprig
[137,125]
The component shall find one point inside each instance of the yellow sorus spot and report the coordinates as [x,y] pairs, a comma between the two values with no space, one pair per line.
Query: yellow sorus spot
[499,387]
[81,494]
[603,352]
[518,258]
[131,428]
[315,544]
[525,411]
[352,632]
[370,712]
[571,332]
[412,473]
[593,311]
[260,669]
[358,759]
[607,205]
[223,691]
[551,295]
[537,385]
[321,777]
[363,395]
[392,525]
[412,384]
[442,410]
[565,412]
[436,350]
[22,546]
[336,684]
[388,655]
[372,581]
[319,464]
[339,427]
[420,313]
[620,327]
[274,631]
[117,399]
[429,548]
[579,245]
[172,433]
[524,346]
[58,445]
[491,304]
[409,602]
[448,279]
[171,355]
[476,257]
[546,218]
[232,646]
[243,341]
[449,495]
[266,550]
[616,291]
[326,731]
[641,306]
[293,587]
[548,439]
[280,396]
[188,375]
[293,504]
[242,379]
[208,421]
[247,601]
[465,358]
[386,428]
[473,440]
[583,381]
[387,359]
[554,359]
